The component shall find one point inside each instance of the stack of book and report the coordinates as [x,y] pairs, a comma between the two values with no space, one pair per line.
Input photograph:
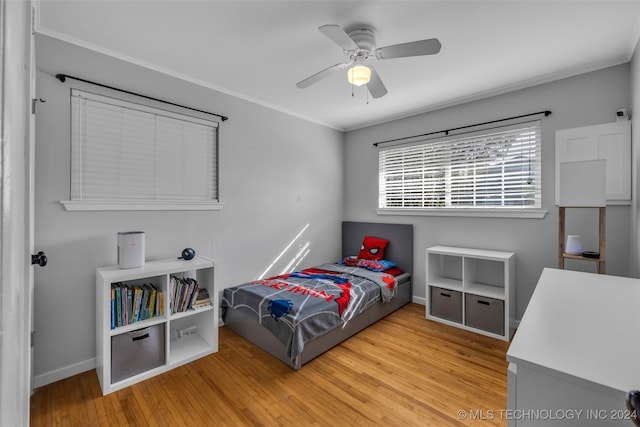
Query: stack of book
[184,292]
[132,303]
[202,299]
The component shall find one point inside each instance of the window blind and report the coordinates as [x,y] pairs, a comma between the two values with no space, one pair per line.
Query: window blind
[123,151]
[499,168]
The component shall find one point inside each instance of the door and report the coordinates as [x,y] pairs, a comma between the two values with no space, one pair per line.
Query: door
[16,282]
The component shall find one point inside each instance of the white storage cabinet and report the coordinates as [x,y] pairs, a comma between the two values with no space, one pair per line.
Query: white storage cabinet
[160,343]
[472,289]
[610,142]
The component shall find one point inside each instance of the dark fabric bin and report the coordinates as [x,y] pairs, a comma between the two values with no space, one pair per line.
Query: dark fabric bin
[484,313]
[137,351]
[446,304]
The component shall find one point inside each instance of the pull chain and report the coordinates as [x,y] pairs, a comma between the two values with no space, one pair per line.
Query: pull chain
[353,92]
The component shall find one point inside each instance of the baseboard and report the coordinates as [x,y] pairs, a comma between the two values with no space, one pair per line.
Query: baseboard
[62,373]
[419,300]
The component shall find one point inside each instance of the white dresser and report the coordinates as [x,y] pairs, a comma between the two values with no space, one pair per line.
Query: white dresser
[576,353]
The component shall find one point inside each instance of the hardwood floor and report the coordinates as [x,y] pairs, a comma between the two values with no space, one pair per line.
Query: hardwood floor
[405,370]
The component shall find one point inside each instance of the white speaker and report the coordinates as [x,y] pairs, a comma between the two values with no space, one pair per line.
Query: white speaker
[130,249]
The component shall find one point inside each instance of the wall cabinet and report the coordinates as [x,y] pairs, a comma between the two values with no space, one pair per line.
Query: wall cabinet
[610,142]
[139,350]
[472,289]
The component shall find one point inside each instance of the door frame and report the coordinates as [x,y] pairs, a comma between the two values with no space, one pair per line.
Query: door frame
[16,150]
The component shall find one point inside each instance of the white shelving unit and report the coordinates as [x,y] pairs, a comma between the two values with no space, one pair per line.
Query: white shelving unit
[201,324]
[473,289]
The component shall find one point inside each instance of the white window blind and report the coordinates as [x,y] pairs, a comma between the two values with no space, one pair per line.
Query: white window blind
[492,169]
[127,152]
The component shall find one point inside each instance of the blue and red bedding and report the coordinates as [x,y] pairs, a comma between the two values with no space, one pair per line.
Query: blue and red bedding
[300,306]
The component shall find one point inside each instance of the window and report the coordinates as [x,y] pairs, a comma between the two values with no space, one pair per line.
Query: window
[128,154]
[492,169]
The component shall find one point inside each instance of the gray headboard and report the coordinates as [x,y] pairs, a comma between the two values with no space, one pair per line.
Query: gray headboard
[400,237]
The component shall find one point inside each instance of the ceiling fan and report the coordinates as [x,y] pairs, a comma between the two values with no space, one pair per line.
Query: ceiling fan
[359,45]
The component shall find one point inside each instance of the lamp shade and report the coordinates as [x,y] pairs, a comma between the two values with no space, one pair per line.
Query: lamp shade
[359,75]
[574,245]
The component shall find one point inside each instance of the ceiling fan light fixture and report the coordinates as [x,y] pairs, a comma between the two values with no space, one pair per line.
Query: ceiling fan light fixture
[359,75]
[359,45]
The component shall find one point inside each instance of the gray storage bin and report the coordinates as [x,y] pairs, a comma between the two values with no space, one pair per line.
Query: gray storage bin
[484,313]
[446,304]
[136,352]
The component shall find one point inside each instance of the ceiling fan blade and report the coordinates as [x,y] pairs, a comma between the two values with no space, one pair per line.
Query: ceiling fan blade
[338,36]
[417,48]
[375,85]
[322,74]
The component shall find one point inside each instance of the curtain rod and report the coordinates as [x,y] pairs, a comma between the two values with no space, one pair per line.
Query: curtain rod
[446,131]
[63,77]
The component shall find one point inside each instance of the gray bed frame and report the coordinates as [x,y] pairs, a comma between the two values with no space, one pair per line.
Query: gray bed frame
[400,250]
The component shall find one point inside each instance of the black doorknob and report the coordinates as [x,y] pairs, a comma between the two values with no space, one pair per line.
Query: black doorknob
[40,258]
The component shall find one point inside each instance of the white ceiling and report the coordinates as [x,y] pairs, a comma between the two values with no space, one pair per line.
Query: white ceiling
[259,50]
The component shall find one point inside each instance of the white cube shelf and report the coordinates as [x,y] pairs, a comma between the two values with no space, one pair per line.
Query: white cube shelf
[188,335]
[463,276]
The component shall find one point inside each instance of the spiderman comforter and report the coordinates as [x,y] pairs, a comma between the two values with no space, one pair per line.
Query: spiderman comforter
[300,306]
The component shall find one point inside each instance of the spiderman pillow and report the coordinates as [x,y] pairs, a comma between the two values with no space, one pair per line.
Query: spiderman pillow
[373,248]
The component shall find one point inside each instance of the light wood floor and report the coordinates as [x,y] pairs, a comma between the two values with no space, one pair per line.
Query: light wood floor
[404,370]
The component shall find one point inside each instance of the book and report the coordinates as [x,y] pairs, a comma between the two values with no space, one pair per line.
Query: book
[152,301]
[143,303]
[113,306]
[182,293]
[138,300]
[174,294]
[125,318]
[202,298]
[118,306]
[186,298]
[194,294]
[129,303]
[160,304]
[188,289]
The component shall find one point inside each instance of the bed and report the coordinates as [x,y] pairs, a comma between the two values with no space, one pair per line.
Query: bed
[267,313]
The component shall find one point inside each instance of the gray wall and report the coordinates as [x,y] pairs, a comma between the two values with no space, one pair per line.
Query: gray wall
[277,174]
[582,100]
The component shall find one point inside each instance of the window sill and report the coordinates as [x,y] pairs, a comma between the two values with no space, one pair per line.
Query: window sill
[479,213]
[75,205]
